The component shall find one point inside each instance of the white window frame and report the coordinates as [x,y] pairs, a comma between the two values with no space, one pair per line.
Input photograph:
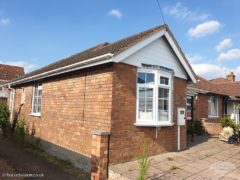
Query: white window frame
[210,100]
[39,86]
[155,86]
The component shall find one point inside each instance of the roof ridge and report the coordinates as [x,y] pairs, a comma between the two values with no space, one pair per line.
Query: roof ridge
[156,28]
[11,65]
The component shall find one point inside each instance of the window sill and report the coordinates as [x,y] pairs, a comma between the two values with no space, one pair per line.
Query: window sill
[213,116]
[153,124]
[35,114]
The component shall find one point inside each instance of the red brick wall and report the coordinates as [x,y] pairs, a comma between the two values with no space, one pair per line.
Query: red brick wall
[109,104]
[67,118]
[213,128]
[126,141]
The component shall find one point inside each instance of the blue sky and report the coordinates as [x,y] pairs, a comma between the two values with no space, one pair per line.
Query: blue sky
[36,33]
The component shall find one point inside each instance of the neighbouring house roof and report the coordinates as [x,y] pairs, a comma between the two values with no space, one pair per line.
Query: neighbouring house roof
[230,88]
[105,51]
[219,80]
[225,88]
[208,86]
[8,72]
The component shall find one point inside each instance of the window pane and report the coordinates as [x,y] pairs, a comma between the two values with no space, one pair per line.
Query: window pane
[164,80]
[213,105]
[141,104]
[145,78]
[141,92]
[149,103]
[163,93]
[141,78]
[37,98]
[166,93]
[163,104]
[162,115]
[166,105]
[145,103]
[209,105]
[149,92]
[149,114]
[160,104]
[160,93]
[149,78]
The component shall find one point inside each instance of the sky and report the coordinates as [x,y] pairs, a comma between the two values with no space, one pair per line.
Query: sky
[36,33]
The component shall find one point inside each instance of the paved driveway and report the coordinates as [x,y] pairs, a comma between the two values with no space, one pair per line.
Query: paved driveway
[209,159]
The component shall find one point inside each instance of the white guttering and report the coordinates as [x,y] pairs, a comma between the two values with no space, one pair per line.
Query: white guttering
[87,63]
[196,90]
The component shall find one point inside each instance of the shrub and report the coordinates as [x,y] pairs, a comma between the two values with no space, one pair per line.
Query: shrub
[4,118]
[144,163]
[20,131]
[198,127]
[237,128]
[226,121]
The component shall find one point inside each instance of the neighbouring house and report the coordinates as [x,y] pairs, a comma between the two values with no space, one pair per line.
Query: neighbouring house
[97,107]
[231,87]
[8,72]
[213,99]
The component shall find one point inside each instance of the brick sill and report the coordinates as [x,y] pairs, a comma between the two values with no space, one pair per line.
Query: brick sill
[153,125]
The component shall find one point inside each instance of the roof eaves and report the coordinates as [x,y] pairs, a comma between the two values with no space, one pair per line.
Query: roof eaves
[73,67]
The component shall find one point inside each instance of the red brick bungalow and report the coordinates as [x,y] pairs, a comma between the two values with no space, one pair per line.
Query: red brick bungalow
[211,100]
[101,104]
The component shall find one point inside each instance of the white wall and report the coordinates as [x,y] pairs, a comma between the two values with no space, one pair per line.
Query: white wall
[157,53]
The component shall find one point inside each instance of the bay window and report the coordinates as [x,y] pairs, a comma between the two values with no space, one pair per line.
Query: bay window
[213,106]
[154,98]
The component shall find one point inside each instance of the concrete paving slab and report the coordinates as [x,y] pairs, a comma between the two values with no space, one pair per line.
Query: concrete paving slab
[210,159]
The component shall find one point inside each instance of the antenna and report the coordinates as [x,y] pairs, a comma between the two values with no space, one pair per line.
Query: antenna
[160,9]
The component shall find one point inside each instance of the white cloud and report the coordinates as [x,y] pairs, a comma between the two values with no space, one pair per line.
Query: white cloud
[226,43]
[237,71]
[204,29]
[212,71]
[116,13]
[195,58]
[232,54]
[4,21]
[27,65]
[209,71]
[183,13]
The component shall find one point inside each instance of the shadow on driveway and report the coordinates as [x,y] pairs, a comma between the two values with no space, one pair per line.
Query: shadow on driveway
[26,163]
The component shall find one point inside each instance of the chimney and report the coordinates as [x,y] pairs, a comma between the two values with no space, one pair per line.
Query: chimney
[230,76]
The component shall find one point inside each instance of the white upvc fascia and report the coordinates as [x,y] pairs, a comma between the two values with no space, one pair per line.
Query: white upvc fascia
[196,90]
[89,63]
[180,57]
